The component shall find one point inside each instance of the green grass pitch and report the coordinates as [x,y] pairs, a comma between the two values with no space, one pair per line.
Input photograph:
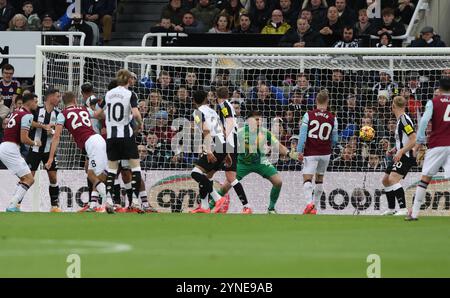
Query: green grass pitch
[188,245]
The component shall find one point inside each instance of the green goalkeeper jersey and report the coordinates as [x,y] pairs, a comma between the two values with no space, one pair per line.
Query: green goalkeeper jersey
[255,144]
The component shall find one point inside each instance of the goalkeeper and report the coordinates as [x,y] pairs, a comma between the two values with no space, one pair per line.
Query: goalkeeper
[255,138]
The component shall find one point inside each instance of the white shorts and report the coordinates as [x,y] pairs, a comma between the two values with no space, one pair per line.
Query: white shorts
[13,160]
[96,151]
[436,158]
[316,164]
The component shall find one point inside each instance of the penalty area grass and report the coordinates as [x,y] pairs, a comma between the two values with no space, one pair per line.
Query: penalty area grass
[209,245]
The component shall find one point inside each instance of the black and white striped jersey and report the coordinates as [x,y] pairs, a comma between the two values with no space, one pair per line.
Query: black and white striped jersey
[226,110]
[405,128]
[117,107]
[205,115]
[38,134]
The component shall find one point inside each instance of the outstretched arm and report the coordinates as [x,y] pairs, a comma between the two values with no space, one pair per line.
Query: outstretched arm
[426,117]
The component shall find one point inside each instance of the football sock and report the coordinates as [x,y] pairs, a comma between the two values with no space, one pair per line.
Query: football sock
[101,189]
[129,192]
[204,186]
[390,196]
[94,199]
[21,190]
[136,180]
[400,195]
[419,198]
[240,192]
[89,184]
[116,192]
[318,191]
[274,195]
[308,190]
[53,191]
[214,194]
[110,181]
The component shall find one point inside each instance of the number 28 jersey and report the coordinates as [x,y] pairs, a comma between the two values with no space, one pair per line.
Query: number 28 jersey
[320,127]
[117,106]
[78,123]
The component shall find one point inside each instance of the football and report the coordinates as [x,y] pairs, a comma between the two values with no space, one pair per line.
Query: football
[367,133]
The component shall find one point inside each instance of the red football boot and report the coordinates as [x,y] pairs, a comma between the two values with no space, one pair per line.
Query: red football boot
[247,210]
[308,208]
[201,210]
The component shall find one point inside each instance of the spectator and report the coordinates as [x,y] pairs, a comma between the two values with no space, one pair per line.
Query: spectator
[405,11]
[318,10]
[9,87]
[298,103]
[264,102]
[428,39]
[245,25]
[165,86]
[182,107]
[18,23]
[18,102]
[331,28]
[338,89]
[191,82]
[205,13]
[413,105]
[162,130]
[222,79]
[301,37]
[143,108]
[233,8]
[189,4]
[222,25]
[290,13]
[189,24]
[374,163]
[165,25]
[56,8]
[307,15]
[364,26]
[383,112]
[346,14]
[385,41]
[6,14]
[308,92]
[79,25]
[100,12]
[388,24]
[174,11]
[277,25]
[348,117]
[347,161]
[348,39]
[260,14]
[4,112]
[385,83]
[33,21]
[47,23]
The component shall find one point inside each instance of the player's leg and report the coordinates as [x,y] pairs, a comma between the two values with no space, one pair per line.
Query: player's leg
[390,194]
[14,162]
[309,170]
[398,192]
[53,190]
[277,183]
[199,175]
[322,166]
[434,159]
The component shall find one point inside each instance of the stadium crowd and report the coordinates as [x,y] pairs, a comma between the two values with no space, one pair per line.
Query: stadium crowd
[358,98]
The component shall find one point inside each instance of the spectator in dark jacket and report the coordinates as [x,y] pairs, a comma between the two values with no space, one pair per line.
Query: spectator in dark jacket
[318,9]
[205,12]
[78,24]
[245,25]
[331,28]
[100,12]
[364,25]
[6,14]
[388,24]
[56,8]
[428,39]
[164,26]
[260,14]
[52,40]
[346,14]
[174,11]
[405,11]
[302,36]
[189,24]
[290,13]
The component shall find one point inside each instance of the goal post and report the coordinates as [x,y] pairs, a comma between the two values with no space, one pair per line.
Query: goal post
[282,84]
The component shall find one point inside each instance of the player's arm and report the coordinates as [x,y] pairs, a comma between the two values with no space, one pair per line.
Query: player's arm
[25,126]
[426,117]
[334,133]
[55,140]
[135,111]
[303,134]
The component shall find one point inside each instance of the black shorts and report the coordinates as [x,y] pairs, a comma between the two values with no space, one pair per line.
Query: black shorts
[34,159]
[216,166]
[233,166]
[402,167]
[124,148]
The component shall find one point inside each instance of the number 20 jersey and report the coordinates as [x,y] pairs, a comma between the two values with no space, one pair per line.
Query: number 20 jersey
[320,127]
[78,123]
